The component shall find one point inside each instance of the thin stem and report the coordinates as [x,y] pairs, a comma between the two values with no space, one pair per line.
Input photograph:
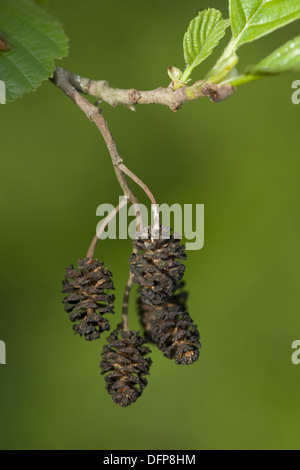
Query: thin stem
[186,74]
[138,181]
[242,79]
[103,226]
[92,247]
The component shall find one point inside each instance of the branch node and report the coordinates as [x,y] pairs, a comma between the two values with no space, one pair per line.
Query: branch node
[216,92]
[134,96]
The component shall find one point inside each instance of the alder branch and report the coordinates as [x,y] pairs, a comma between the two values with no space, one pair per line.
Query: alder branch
[101,90]
[72,85]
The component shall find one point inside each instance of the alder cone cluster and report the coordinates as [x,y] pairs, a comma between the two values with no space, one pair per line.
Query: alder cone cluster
[125,360]
[87,298]
[170,327]
[155,265]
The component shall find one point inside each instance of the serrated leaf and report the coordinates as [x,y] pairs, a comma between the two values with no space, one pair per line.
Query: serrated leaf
[203,35]
[252,19]
[35,39]
[286,59]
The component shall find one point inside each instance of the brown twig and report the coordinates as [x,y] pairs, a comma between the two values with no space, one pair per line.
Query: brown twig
[101,90]
[139,182]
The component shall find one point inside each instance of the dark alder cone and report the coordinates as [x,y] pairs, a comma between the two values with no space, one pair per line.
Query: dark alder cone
[155,266]
[124,359]
[147,315]
[171,329]
[87,298]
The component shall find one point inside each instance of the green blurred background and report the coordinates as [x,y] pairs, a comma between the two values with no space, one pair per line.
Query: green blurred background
[240,158]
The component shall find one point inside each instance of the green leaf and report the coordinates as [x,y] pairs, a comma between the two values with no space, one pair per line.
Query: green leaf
[251,19]
[35,39]
[203,35]
[286,59]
